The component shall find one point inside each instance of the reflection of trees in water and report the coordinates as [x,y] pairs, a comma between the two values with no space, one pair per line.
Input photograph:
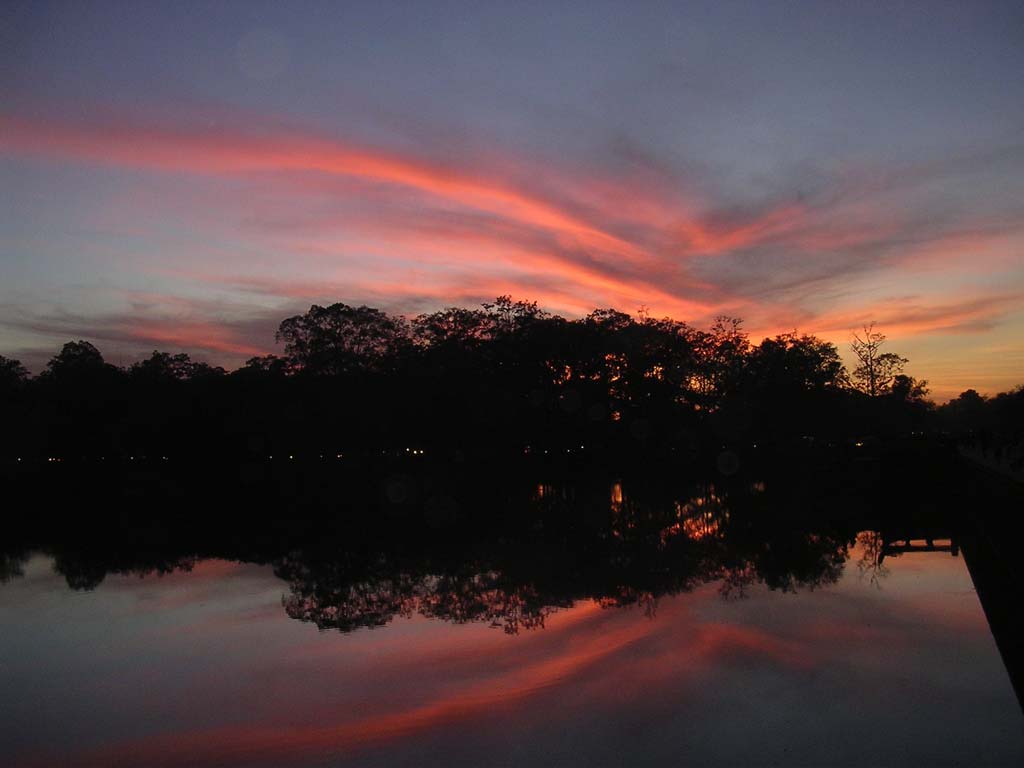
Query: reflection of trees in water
[702,516]
[12,565]
[511,554]
[646,600]
[86,571]
[703,513]
[645,548]
[871,545]
[334,599]
[785,563]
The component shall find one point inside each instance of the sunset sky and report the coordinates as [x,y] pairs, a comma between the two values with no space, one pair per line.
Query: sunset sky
[184,175]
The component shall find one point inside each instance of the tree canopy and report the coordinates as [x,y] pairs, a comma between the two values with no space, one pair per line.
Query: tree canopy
[876,370]
[506,375]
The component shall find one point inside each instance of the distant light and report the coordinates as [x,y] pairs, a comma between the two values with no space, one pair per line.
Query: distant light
[859,444]
[290,456]
[339,455]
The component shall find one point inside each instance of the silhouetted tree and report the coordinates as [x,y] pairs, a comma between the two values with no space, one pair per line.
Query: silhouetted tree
[796,362]
[78,361]
[341,339]
[876,370]
[792,386]
[994,426]
[78,403]
[453,327]
[164,367]
[13,375]
[507,377]
[266,364]
[966,412]
[508,316]
[14,407]
[721,352]
[908,389]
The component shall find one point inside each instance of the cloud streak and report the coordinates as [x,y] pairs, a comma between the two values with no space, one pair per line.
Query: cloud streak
[585,638]
[363,223]
[149,326]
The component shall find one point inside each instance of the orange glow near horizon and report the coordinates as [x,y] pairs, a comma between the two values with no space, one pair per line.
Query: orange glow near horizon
[571,241]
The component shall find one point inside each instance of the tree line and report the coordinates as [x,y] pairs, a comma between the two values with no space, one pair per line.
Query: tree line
[504,378]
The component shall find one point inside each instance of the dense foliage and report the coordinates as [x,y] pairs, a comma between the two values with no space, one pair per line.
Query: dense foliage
[507,377]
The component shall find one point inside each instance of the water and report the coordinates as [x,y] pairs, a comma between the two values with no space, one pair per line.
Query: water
[890,664]
[696,631]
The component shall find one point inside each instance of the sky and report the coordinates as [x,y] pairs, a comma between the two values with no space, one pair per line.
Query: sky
[185,175]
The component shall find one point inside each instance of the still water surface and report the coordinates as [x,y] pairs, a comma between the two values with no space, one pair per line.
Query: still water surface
[891,665]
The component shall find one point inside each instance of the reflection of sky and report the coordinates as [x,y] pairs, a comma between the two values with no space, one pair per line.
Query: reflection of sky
[183,176]
[206,669]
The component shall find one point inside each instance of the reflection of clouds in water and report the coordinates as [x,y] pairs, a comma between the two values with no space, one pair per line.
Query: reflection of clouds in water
[458,686]
[626,583]
[868,551]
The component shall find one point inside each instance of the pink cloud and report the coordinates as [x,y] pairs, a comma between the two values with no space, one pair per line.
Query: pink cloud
[365,224]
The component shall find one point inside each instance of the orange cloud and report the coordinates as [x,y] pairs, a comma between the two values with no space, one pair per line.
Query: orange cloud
[364,224]
[213,153]
[191,335]
[914,315]
[217,153]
